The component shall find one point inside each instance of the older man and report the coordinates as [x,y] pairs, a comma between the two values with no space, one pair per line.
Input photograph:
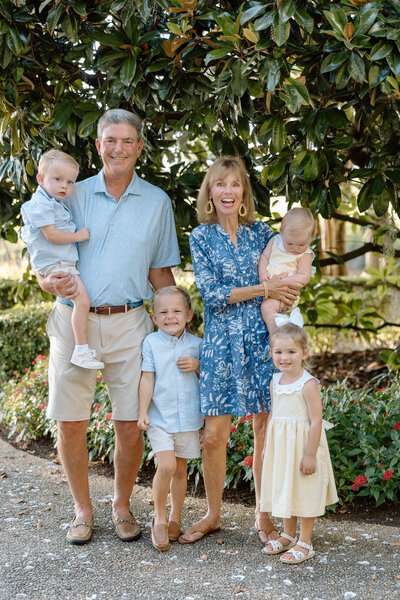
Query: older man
[132,245]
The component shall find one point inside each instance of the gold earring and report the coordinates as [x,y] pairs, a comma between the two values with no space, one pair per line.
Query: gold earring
[210,207]
[242,211]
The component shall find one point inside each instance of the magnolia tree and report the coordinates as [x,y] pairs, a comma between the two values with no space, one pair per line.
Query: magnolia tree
[306,92]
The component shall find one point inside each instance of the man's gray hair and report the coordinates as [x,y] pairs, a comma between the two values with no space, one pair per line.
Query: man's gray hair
[119,115]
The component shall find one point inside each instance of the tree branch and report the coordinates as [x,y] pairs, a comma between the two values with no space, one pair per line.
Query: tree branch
[368,247]
[353,327]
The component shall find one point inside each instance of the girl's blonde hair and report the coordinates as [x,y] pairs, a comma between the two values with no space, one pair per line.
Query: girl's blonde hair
[293,332]
[298,218]
[172,289]
[50,157]
[218,170]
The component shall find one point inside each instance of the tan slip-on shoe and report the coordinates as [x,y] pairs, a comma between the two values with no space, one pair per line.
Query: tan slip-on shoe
[80,530]
[126,527]
[159,536]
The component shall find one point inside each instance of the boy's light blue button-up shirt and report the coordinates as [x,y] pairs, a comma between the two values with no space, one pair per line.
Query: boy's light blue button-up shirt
[175,405]
[127,238]
[39,211]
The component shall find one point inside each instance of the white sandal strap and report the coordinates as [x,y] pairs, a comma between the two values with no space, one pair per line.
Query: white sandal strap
[288,537]
[275,545]
[306,546]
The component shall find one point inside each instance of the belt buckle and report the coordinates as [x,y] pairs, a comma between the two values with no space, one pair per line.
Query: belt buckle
[104,306]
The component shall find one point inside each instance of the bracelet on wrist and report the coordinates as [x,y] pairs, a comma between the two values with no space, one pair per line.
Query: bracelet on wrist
[265,289]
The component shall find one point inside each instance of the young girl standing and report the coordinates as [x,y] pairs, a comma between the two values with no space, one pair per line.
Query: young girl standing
[297,477]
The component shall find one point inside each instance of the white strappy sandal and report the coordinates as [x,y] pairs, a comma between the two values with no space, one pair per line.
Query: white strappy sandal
[299,557]
[277,546]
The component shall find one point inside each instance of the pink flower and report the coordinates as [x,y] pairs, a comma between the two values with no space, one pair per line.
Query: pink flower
[41,406]
[108,417]
[388,474]
[233,429]
[240,447]
[397,426]
[96,410]
[241,420]
[248,461]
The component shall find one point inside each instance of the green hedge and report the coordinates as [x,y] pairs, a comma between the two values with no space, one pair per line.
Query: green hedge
[364,443]
[6,296]
[22,337]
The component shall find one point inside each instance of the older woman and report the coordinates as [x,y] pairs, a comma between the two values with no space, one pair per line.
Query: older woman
[235,368]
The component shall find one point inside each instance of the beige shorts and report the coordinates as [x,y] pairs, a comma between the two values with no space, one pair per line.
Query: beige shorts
[185,444]
[117,340]
[62,265]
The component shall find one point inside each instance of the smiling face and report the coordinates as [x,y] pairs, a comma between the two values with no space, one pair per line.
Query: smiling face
[58,182]
[227,194]
[119,149]
[171,314]
[296,240]
[287,355]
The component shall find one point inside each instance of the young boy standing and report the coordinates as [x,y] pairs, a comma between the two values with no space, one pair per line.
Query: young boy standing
[169,406]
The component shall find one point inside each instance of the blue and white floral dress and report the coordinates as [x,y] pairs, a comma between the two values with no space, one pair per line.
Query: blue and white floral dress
[236,369]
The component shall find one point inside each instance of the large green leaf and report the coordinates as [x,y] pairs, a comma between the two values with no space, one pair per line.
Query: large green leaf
[239,82]
[298,164]
[277,169]
[333,61]
[305,19]
[393,60]
[280,30]
[128,70]
[337,18]
[365,198]
[278,135]
[380,50]
[357,68]
[311,169]
[365,18]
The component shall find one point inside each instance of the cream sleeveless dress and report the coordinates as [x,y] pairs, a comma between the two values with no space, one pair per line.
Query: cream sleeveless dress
[285,491]
[282,261]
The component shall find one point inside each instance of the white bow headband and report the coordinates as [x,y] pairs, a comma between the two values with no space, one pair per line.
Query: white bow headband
[295,318]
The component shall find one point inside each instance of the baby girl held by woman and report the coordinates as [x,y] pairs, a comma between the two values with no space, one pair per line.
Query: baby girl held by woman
[287,253]
[297,477]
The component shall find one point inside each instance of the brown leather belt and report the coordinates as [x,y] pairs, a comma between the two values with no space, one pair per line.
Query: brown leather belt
[108,309]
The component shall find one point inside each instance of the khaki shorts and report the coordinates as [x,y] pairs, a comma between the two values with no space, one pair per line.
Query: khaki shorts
[62,265]
[185,444]
[117,340]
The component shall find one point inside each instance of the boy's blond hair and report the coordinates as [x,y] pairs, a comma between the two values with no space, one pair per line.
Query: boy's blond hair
[48,159]
[298,218]
[172,289]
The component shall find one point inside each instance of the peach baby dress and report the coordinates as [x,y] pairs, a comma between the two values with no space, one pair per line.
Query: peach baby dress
[285,491]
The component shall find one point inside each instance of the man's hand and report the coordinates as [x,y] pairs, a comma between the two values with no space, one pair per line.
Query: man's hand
[188,363]
[144,422]
[59,284]
[82,234]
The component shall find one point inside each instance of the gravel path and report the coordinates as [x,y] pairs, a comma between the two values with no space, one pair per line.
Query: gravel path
[354,560]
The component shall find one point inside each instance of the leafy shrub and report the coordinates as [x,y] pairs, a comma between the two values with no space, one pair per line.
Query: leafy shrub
[22,337]
[364,444]
[6,296]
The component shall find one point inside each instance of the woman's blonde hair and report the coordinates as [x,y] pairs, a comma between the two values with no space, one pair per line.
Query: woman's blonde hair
[218,170]
[293,332]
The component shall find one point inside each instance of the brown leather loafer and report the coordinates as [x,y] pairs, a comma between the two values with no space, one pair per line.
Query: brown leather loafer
[159,536]
[174,531]
[126,527]
[80,530]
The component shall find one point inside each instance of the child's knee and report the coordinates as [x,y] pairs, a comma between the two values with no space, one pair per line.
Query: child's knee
[166,466]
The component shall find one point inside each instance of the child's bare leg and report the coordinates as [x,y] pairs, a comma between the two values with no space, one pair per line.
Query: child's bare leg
[167,465]
[306,529]
[178,489]
[269,308]
[79,319]
[289,527]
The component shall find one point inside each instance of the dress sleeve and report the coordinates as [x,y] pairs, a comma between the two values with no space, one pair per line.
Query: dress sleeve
[214,293]
[147,357]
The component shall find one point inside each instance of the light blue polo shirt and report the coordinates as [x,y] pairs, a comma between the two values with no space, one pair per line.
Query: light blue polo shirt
[127,238]
[39,211]
[175,405]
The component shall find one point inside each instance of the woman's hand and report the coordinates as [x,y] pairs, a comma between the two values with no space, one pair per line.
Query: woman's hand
[281,288]
[59,284]
[308,465]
